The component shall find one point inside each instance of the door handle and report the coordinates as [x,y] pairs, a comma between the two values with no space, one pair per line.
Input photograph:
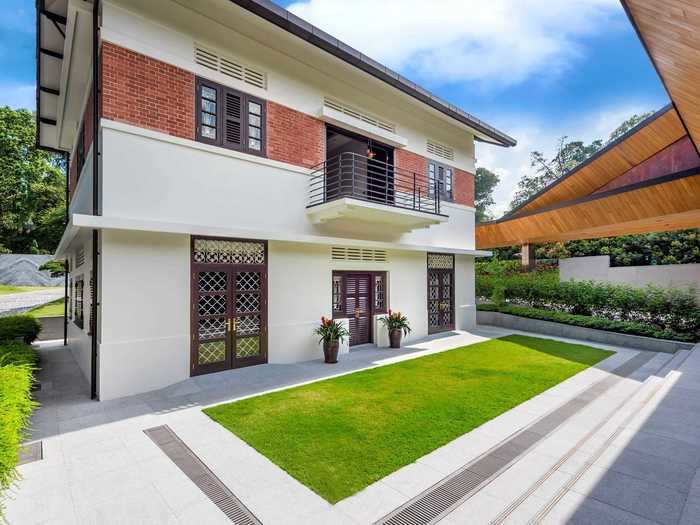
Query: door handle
[231,324]
[357,313]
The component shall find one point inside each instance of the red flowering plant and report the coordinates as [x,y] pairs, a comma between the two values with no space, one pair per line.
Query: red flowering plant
[331,330]
[396,321]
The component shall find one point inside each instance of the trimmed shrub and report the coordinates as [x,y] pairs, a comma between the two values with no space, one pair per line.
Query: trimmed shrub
[16,406]
[17,353]
[25,327]
[600,323]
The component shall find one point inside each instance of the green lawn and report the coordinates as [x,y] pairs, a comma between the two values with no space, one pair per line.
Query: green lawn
[7,288]
[52,309]
[340,435]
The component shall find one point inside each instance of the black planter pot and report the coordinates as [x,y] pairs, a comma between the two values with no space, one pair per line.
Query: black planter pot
[330,351]
[395,338]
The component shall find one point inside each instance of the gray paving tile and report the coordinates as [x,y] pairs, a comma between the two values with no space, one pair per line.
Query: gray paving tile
[577,510]
[665,447]
[649,500]
[677,476]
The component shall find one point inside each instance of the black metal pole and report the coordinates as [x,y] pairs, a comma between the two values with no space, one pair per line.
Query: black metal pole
[95,192]
[65,264]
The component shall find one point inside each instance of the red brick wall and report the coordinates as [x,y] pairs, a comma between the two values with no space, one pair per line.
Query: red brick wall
[464,187]
[146,92]
[294,137]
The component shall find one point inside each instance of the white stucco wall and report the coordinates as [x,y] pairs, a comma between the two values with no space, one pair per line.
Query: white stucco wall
[597,268]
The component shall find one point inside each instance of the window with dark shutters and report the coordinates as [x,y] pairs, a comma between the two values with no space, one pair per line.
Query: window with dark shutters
[230,118]
[442,175]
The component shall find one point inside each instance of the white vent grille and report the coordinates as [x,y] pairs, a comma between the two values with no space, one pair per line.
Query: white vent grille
[339,253]
[440,150]
[80,258]
[230,67]
[360,115]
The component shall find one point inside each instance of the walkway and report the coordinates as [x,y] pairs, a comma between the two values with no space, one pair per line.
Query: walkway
[626,450]
[16,303]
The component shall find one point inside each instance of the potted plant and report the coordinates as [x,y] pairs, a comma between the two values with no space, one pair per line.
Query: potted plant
[397,324]
[332,333]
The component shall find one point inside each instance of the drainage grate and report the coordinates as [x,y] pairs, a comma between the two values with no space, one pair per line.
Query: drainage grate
[443,497]
[199,473]
[30,452]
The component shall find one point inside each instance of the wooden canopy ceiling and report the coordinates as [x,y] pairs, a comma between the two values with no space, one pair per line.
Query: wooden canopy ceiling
[666,203]
[670,32]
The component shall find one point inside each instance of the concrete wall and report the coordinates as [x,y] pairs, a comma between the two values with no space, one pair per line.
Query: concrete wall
[19,269]
[597,268]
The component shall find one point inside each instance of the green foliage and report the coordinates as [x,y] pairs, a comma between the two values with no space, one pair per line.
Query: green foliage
[586,321]
[345,433]
[661,309]
[16,407]
[57,268]
[25,327]
[485,181]
[628,125]
[396,321]
[32,186]
[331,330]
[17,353]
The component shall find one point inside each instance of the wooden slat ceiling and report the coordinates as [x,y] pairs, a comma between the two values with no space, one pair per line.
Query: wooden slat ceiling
[656,133]
[668,203]
[670,31]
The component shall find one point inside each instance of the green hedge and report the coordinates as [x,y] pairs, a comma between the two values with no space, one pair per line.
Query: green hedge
[600,323]
[16,407]
[666,309]
[17,353]
[19,326]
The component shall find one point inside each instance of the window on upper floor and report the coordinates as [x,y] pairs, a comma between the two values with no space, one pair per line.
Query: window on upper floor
[80,153]
[230,118]
[439,174]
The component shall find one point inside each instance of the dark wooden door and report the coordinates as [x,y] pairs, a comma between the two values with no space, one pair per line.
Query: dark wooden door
[229,321]
[440,300]
[358,307]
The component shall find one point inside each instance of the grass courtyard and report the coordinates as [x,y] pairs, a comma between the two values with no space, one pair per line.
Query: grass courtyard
[8,289]
[343,434]
[52,309]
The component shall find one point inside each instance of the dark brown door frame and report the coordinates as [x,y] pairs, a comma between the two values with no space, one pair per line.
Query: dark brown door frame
[231,269]
[372,302]
[439,271]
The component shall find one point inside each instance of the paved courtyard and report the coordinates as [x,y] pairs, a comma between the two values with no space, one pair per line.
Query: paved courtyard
[617,443]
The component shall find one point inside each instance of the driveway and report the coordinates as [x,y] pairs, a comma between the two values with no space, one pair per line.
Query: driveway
[617,443]
[16,303]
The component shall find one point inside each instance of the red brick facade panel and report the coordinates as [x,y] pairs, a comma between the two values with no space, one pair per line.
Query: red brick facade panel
[464,187]
[408,163]
[146,92]
[679,156]
[294,137]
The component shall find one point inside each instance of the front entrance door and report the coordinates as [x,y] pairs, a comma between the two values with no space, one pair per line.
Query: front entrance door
[229,314]
[358,307]
[440,293]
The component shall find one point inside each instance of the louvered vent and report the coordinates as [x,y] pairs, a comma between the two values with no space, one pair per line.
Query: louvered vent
[440,150]
[339,253]
[358,114]
[80,258]
[230,67]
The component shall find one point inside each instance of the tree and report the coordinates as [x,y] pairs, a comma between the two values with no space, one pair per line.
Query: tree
[485,182]
[568,156]
[628,125]
[32,185]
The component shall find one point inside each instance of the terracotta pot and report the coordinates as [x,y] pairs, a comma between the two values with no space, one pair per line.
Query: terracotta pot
[330,351]
[395,338]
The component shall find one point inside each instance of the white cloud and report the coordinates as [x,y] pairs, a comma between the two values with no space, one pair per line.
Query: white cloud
[490,42]
[18,96]
[532,134]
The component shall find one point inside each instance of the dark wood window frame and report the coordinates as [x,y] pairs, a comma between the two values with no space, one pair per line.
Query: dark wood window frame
[339,274]
[79,284]
[447,184]
[80,153]
[234,121]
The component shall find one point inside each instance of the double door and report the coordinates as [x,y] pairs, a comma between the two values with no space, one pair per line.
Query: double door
[229,317]
[440,300]
[357,304]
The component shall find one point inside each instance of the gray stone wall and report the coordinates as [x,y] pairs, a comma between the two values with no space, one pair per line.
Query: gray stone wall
[20,269]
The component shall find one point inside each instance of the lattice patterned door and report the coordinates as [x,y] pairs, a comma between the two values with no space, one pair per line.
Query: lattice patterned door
[358,307]
[211,311]
[229,304]
[249,326]
[440,293]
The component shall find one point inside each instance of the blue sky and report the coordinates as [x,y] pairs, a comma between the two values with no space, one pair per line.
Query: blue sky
[534,68]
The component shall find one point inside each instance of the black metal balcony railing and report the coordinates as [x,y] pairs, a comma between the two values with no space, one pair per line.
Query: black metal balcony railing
[353,175]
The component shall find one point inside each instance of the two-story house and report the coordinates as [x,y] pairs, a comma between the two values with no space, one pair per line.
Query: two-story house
[235,174]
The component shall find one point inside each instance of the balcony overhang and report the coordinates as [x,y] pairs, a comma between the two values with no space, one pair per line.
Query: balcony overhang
[355,125]
[348,211]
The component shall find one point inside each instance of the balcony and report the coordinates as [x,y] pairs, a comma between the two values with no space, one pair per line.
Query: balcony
[351,188]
